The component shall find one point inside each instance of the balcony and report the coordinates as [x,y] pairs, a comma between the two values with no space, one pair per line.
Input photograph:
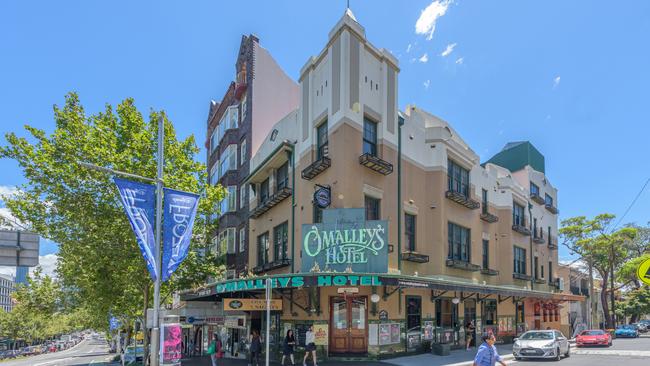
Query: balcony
[552,209]
[521,276]
[280,263]
[489,272]
[462,200]
[575,290]
[375,163]
[316,168]
[276,198]
[521,228]
[466,266]
[584,291]
[540,281]
[539,239]
[488,217]
[537,198]
[416,257]
[552,243]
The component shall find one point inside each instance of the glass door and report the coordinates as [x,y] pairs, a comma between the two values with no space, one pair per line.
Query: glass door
[348,325]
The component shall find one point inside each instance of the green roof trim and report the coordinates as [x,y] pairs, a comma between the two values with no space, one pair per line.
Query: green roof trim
[516,155]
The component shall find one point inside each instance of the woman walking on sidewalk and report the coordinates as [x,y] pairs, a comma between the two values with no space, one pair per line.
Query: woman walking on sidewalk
[469,334]
[310,346]
[287,347]
[214,350]
[256,348]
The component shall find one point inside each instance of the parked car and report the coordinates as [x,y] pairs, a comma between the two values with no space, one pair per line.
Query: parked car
[10,354]
[541,344]
[643,328]
[593,337]
[629,331]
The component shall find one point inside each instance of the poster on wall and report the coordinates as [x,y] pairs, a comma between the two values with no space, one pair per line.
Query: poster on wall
[395,333]
[428,330]
[373,330]
[320,334]
[384,334]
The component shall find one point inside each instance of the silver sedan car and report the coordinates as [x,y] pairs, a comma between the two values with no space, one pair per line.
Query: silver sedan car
[541,344]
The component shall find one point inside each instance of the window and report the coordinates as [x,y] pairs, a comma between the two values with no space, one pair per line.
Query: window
[263,249]
[242,196]
[549,235]
[484,199]
[534,189]
[318,214]
[446,313]
[264,191]
[230,240]
[280,241]
[548,200]
[489,312]
[550,272]
[486,254]
[372,208]
[520,316]
[409,229]
[214,176]
[233,117]
[413,313]
[244,107]
[518,214]
[242,240]
[229,120]
[542,271]
[228,160]
[535,227]
[229,202]
[369,137]
[224,242]
[242,151]
[536,264]
[282,177]
[321,141]
[213,139]
[457,178]
[458,239]
[519,260]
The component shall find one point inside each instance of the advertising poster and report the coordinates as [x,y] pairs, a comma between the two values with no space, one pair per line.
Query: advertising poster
[384,334]
[321,335]
[171,351]
[428,330]
[394,333]
[373,338]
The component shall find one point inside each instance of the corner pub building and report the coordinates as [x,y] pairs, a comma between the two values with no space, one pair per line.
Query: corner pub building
[381,228]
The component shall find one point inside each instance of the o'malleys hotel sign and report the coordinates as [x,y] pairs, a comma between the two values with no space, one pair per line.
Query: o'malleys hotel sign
[343,241]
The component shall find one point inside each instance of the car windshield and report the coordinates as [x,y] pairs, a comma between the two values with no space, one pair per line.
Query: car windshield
[625,327]
[592,332]
[537,335]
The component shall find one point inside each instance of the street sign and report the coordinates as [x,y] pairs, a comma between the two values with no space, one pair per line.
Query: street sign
[644,272]
[19,248]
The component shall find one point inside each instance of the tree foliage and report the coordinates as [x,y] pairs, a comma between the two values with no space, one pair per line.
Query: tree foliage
[79,209]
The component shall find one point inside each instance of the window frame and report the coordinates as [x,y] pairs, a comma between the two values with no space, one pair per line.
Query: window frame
[264,191]
[519,260]
[322,139]
[410,231]
[459,239]
[263,251]
[411,317]
[458,179]
[369,139]
[518,218]
[242,152]
[374,211]
[484,200]
[535,191]
[242,240]
[548,200]
[282,182]
[281,247]
[486,254]
[242,196]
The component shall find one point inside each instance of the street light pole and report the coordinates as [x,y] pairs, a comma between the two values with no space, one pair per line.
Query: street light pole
[155,330]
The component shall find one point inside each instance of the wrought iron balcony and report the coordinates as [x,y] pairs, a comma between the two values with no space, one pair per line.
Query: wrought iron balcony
[285,262]
[540,281]
[575,290]
[376,163]
[463,200]
[521,276]
[552,243]
[457,263]
[488,217]
[489,272]
[415,257]
[316,168]
[539,239]
[584,291]
[276,198]
[552,209]
[521,229]
[537,198]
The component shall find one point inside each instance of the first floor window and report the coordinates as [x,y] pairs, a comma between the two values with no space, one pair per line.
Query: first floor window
[263,249]
[242,240]
[280,241]
[409,229]
[486,254]
[372,208]
[369,137]
[489,312]
[550,272]
[519,255]
[518,214]
[413,312]
[458,239]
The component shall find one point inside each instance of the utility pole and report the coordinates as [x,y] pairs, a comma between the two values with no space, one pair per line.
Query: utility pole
[611,281]
[155,330]
[530,243]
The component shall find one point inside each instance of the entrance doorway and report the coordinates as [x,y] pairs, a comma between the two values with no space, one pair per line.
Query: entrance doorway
[470,317]
[349,325]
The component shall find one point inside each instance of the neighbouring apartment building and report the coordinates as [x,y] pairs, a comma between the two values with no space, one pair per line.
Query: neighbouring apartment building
[381,228]
[7,287]
[575,315]
[260,95]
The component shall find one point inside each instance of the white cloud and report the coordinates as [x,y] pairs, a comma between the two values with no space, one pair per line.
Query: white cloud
[7,191]
[448,50]
[46,262]
[426,23]
[424,58]
[426,84]
[556,82]
[459,61]
[408,48]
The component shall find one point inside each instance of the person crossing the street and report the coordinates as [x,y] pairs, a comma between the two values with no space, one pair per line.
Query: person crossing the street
[487,354]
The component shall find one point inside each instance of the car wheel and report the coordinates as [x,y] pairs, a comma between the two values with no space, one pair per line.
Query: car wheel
[558,356]
[568,351]
[517,358]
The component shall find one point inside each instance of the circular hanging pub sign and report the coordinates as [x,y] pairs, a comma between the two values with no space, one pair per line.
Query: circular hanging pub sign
[323,197]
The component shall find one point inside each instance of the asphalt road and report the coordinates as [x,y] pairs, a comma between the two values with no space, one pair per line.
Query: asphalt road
[87,352]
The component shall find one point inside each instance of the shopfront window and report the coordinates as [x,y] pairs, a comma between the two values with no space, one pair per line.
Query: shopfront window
[489,312]
[413,312]
[446,313]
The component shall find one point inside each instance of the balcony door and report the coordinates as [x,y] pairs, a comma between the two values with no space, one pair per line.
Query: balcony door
[348,325]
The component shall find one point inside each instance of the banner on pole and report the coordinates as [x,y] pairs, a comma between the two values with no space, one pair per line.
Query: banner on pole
[178,220]
[139,202]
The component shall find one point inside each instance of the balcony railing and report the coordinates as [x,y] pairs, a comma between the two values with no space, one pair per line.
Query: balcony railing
[552,243]
[521,228]
[457,263]
[540,281]
[489,272]
[575,290]
[537,198]
[488,217]
[316,168]
[415,257]
[376,163]
[272,265]
[538,239]
[276,198]
[521,276]
[552,209]
[463,200]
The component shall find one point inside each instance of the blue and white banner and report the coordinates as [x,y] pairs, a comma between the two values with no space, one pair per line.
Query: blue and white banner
[178,221]
[139,202]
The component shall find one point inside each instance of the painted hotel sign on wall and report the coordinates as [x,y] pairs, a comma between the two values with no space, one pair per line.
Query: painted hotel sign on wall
[345,240]
[250,304]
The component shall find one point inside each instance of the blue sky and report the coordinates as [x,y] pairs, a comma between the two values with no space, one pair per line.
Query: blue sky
[570,76]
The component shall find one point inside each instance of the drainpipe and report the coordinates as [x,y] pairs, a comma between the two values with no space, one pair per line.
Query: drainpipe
[293,206]
[532,270]
[400,123]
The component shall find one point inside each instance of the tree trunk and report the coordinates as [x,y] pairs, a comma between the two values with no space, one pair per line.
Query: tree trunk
[603,298]
[593,304]
[145,344]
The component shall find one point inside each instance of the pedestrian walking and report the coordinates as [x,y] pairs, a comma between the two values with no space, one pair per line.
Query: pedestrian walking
[310,346]
[469,334]
[256,348]
[214,349]
[287,347]
[487,354]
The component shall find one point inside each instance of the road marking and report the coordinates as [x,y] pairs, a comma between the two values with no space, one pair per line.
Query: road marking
[53,361]
[612,352]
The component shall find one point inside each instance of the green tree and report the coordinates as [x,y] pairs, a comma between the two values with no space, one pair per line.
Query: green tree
[604,251]
[79,208]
